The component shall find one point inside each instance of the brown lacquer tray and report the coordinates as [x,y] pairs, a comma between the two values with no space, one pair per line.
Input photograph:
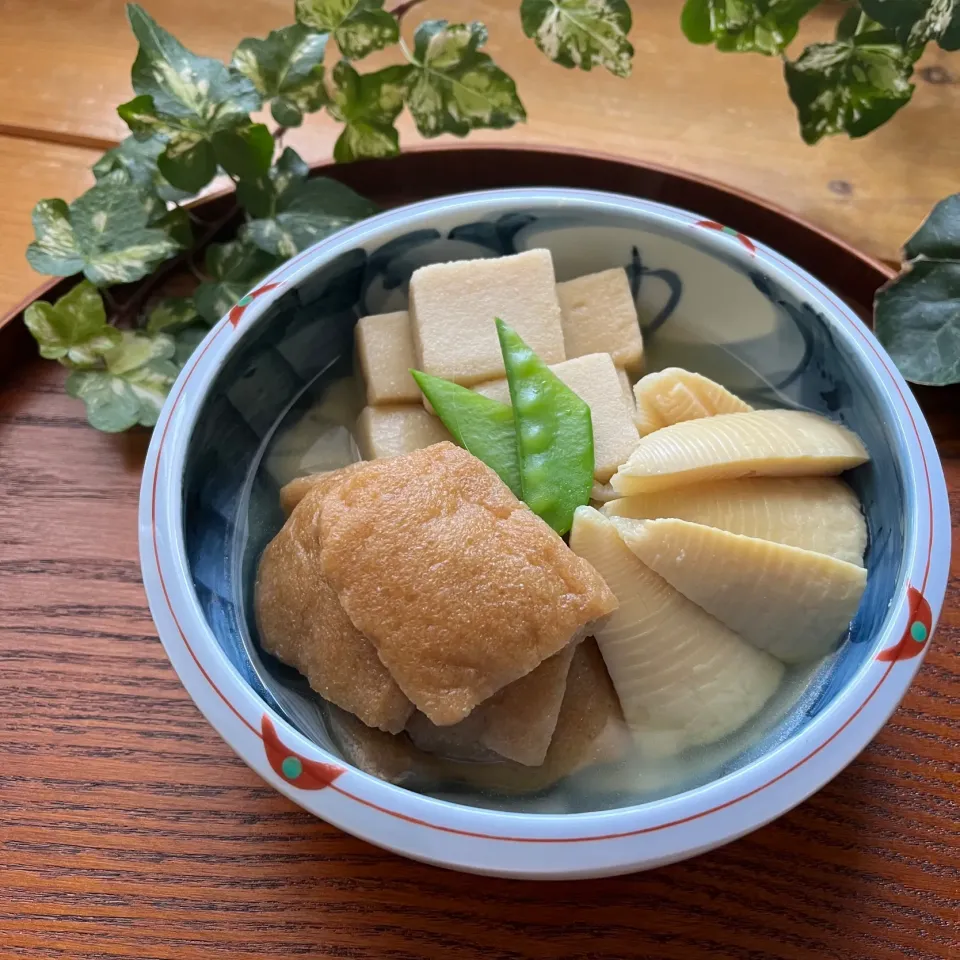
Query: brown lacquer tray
[128,828]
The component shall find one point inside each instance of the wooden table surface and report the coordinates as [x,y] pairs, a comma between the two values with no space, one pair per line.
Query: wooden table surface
[129,829]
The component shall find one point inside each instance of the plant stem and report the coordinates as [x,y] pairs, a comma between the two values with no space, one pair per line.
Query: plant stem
[130,308]
[404,8]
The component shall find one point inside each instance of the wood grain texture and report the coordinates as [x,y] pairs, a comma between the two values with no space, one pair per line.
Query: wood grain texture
[720,115]
[30,171]
[128,828]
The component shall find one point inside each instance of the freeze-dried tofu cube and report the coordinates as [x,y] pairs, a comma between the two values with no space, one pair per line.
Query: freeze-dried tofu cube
[453,307]
[594,379]
[385,352]
[599,316]
[627,388]
[391,431]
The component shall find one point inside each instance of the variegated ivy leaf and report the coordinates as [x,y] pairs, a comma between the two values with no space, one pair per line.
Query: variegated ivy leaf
[186,101]
[74,330]
[358,26]
[154,207]
[917,319]
[917,315]
[917,22]
[259,196]
[286,69]
[234,268]
[581,33]
[104,233]
[176,223]
[131,388]
[850,86]
[452,87]
[308,212]
[138,160]
[244,151]
[174,220]
[367,105]
[55,249]
[182,84]
[171,314]
[745,26]
[187,161]
[193,150]
[186,341]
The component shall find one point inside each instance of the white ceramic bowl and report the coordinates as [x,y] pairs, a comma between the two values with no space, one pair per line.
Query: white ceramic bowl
[711,300]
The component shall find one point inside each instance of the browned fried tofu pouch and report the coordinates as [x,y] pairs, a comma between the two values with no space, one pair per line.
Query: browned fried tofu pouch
[590,729]
[302,622]
[516,723]
[293,492]
[461,588]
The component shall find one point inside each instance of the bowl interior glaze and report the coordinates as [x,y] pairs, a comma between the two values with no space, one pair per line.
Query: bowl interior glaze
[708,300]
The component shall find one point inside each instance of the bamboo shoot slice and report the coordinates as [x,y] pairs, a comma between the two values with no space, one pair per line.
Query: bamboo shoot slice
[674,395]
[794,603]
[815,513]
[683,678]
[771,443]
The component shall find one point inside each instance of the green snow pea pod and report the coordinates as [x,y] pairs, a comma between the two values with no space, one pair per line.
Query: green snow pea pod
[554,434]
[479,424]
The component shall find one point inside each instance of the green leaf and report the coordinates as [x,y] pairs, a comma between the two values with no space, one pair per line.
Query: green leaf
[481,425]
[286,68]
[696,22]
[186,341]
[244,151]
[187,101]
[235,268]
[581,33]
[180,83]
[171,314]
[744,26]
[176,223]
[188,163]
[851,86]
[917,22]
[367,105]
[104,233]
[917,315]
[55,250]
[855,23]
[305,213]
[132,388]
[259,196]
[153,206]
[74,330]
[138,160]
[939,235]
[358,26]
[917,319]
[453,88]
[187,160]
